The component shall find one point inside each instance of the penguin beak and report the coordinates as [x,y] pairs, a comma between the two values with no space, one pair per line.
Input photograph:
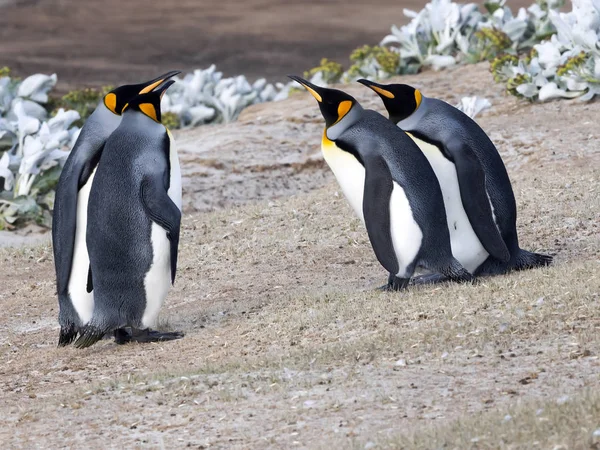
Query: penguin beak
[380,89]
[313,89]
[163,88]
[150,85]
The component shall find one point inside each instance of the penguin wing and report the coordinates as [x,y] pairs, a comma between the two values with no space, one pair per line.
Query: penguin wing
[163,211]
[75,174]
[376,210]
[471,180]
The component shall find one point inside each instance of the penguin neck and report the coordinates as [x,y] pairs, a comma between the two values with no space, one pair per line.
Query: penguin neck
[139,119]
[413,120]
[106,117]
[335,130]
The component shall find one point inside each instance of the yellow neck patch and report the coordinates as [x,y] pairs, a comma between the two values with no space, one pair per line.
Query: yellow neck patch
[383,92]
[343,109]
[149,110]
[418,97]
[325,141]
[110,101]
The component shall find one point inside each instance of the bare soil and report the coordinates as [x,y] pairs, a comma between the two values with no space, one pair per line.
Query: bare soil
[114,41]
[287,343]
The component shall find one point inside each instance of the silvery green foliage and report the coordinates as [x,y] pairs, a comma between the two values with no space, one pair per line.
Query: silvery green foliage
[445,33]
[204,96]
[568,64]
[33,148]
[472,106]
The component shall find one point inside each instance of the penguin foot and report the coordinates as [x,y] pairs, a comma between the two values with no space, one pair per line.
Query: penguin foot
[394,284]
[67,335]
[123,337]
[430,278]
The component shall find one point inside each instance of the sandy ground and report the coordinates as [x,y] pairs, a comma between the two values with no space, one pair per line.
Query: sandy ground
[288,345]
[113,41]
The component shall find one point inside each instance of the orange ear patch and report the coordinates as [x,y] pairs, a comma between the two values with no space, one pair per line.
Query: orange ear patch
[149,110]
[418,97]
[343,109]
[110,100]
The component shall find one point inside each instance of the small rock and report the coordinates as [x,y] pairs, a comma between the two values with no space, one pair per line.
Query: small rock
[596,433]
[507,418]
[369,445]
[562,400]
[444,355]
[401,362]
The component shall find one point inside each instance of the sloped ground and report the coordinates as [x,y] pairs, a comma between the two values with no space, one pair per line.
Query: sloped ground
[288,345]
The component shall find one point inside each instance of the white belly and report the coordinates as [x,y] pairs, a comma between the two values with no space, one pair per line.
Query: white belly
[350,175]
[158,279]
[83,302]
[406,233]
[466,246]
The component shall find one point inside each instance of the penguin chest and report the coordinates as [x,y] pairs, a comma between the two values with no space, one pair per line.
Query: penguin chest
[83,301]
[349,173]
[466,246]
[158,279]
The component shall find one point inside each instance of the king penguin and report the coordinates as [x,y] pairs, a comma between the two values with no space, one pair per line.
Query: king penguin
[75,299]
[389,185]
[134,216]
[478,195]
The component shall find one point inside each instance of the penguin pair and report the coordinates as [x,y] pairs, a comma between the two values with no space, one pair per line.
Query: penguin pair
[116,219]
[428,184]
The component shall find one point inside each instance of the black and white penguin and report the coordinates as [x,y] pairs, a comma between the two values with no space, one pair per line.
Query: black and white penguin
[390,185]
[478,196]
[75,299]
[134,216]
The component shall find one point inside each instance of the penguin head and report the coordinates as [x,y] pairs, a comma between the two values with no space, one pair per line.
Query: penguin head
[148,103]
[118,98]
[334,104]
[400,100]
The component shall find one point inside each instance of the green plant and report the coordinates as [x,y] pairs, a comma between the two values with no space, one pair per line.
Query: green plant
[170,120]
[375,61]
[331,71]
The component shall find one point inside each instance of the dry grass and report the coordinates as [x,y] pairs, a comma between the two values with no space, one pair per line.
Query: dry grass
[288,345]
[558,423]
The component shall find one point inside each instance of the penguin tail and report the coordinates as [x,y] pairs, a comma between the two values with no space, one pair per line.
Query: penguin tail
[67,335]
[90,334]
[529,260]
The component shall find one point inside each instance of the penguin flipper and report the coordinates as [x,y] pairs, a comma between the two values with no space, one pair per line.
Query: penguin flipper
[75,175]
[471,180]
[376,211]
[162,211]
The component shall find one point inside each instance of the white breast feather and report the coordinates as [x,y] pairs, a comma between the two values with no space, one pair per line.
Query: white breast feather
[83,302]
[406,233]
[466,246]
[350,175]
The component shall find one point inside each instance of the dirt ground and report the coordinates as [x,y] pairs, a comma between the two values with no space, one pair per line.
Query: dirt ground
[114,41]
[287,343]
